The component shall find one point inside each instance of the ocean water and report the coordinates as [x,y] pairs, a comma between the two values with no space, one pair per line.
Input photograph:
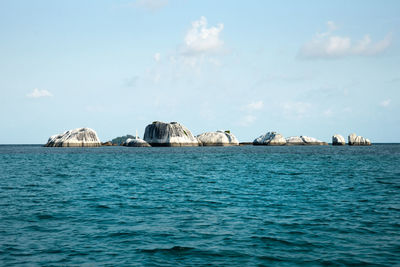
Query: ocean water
[225,206]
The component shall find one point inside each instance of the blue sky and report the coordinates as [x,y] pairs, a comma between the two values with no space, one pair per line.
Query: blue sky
[313,68]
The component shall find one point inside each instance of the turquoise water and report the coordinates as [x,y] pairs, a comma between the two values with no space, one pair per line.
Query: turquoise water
[241,206]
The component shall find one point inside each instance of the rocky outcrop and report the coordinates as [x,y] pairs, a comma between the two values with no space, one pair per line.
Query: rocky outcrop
[135,142]
[218,138]
[270,139]
[169,134]
[245,143]
[121,139]
[81,137]
[355,140]
[303,140]
[338,140]
[108,143]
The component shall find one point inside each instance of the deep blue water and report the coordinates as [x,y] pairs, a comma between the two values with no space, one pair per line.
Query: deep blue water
[231,206]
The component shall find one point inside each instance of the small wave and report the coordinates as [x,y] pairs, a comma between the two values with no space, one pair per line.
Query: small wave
[100,206]
[53,251]
[270,258]
[62,175]
[45,216]
[121,234]
[286,173]
[172,249]
[268,239]
[393,208]
[78,253]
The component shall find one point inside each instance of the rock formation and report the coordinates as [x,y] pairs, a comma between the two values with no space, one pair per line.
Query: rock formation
[81,137]
[355,140]
[270,139]
[303,140]
[135,142]
[108,143]
[169,134]
[121,139]
[338,140]
[218,138]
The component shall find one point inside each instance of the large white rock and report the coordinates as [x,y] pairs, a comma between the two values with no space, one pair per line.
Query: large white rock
[338,140]
[270,139]
[355,140]
[169,134]
[303,140]
[81,137]
[135,142]
[294,140]
[218,138]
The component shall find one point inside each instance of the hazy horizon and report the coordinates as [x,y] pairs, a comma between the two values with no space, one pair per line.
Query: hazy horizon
[314,69]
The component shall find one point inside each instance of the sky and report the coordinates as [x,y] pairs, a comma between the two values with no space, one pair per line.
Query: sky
[314,68]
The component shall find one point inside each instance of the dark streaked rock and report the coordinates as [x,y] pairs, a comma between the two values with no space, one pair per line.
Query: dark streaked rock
[169,134]
[338,140]
[270,139]
[303,141]
[135,142]
[218,138]
[355,140]
[80,137]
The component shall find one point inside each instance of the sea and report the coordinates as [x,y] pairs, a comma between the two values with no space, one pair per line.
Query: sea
[200,206]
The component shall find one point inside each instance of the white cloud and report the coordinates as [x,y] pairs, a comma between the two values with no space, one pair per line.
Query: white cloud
[157,57]
[366,47]
[385,103]
[202,46]
[256,105]
[200,39]
[36,93]
[328,45]
[151,5]
[247,120]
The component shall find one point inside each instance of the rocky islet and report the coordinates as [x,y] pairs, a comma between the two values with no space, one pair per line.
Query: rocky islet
[218,138]
[175,134]
[80,137]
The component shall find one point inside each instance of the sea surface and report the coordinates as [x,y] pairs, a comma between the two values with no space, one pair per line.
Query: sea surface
[225,206]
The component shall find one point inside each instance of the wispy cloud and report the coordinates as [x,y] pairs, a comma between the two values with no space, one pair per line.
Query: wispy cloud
[296,109]
[385,103]
[328,113]
[328,45]
[157,57]
[250,110]
[247,120]
[255,105]
[36,93]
